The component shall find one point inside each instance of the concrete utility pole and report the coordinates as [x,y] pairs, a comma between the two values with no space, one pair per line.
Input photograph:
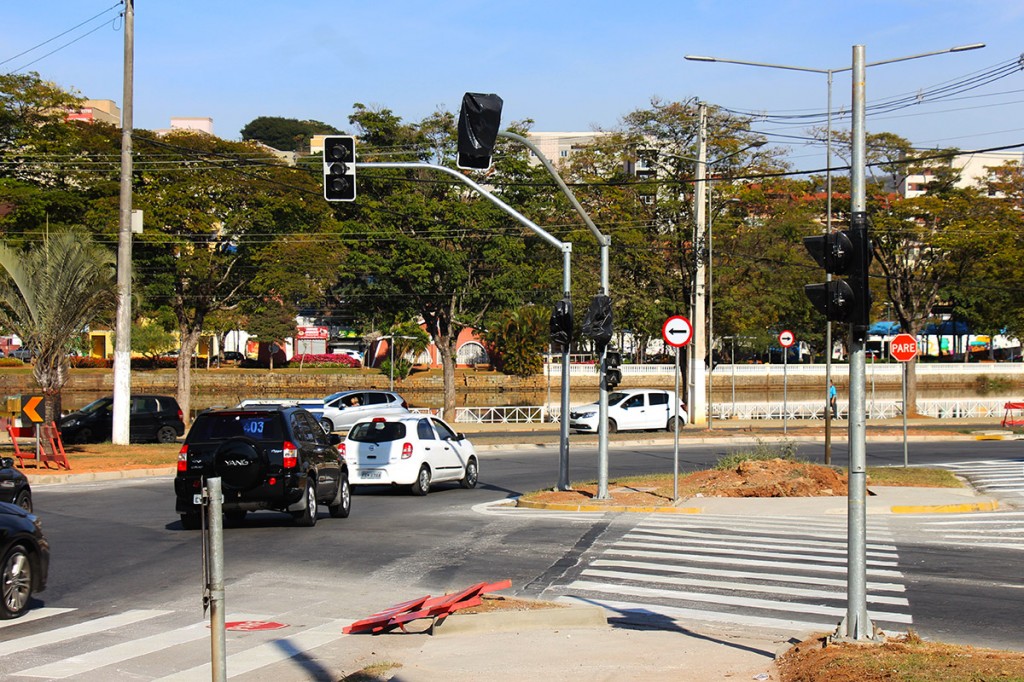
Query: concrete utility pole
[697,403]
[123,325]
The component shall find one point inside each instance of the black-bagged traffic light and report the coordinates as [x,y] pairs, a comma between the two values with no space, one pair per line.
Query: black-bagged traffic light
[612,373]
[340,168]
[561,324]
[479,121]
[843,253]
[597,323]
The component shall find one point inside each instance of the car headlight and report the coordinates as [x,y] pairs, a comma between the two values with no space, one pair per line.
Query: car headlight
[70,423]
[587,415]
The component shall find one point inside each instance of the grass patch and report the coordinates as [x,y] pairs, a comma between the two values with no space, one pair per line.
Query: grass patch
[762,451]
[913,476]
[907,658]
[378,672]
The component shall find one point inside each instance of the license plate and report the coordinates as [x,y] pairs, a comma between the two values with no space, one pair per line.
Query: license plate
[369,474]
[197,499]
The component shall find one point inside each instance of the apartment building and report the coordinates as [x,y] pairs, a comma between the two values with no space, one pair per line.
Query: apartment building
[973,167]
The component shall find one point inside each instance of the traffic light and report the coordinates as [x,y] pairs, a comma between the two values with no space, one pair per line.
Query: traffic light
[843,253]
[479,120]
[597,323]
[612,373]
[561,324]
[340,168]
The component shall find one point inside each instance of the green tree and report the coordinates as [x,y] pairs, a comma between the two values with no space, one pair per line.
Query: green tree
[520,337]
[150,339]
[48,295]
[285,134]
[271,321]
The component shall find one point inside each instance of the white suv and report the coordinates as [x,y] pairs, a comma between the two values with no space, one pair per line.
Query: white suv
[634,409]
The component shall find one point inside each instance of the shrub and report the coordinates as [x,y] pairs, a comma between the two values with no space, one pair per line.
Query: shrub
[89,362]
[761,451]
[325,360]
[11,362]
[402,368]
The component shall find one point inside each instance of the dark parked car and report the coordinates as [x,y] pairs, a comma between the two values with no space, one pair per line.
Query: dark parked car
[231,356]
[22,353]
[24,559]
[268,457]
[152,418]
[14,487]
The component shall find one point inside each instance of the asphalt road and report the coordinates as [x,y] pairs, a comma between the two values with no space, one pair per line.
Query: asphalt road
[119,545]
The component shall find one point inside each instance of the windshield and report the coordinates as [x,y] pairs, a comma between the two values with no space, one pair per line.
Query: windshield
[97,405]
[262,426]
[377,432]
[616,397]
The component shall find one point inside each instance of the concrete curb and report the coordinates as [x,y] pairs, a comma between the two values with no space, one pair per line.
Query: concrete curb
[599,507]
[88,477]
[989,506]
[510,621]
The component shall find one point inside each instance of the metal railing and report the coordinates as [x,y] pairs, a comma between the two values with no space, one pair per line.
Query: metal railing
[980,408]
[840,369]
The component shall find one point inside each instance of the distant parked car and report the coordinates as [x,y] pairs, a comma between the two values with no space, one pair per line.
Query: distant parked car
[412,450]
[269,457]
[634,409]
[22,353]
[231,356]
[151,418]
[14,487]
[24,559]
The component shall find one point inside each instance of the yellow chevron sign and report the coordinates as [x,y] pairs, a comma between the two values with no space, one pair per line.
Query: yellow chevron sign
[31,408]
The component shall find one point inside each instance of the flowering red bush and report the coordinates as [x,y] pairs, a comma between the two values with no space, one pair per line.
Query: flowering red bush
[89,362]
[324,360]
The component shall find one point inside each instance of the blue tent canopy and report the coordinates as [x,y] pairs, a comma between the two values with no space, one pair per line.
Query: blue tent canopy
[884,328]
[947,327]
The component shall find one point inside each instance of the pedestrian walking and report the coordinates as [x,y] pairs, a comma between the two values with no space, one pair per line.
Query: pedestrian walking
[832,401]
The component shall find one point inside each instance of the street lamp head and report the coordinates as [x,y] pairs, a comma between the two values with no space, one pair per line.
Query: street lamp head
[699,58]
[965,48]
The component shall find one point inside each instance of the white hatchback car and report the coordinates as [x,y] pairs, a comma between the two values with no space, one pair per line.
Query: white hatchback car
[634,409]
[414,450]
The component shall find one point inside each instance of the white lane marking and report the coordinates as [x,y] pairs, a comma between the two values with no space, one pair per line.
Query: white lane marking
[686,550]
[744,602]
[80,630]
[824,547]
[34,614]
[778,565]
[738,587]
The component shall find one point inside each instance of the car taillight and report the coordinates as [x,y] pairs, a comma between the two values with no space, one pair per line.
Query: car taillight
[291,455]
[341,449]
[406,450]
[181,415]
[183,458]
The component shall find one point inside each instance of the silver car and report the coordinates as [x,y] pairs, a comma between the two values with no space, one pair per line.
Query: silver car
[342,410]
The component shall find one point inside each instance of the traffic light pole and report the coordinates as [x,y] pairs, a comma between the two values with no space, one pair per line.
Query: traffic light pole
[604,241]
[857,625]
[564,247]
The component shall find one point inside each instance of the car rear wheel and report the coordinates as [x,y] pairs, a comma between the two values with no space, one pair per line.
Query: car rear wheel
[190,521]
[612,426]
[327,425]
[675,424]
[342,505]
[472,473]
[307,517]
[422,484]
[166,434]
[24,500]
[236,517]
[16,581]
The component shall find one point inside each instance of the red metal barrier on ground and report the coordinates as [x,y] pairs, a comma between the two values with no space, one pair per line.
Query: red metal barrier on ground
[1013,415]
[424,607]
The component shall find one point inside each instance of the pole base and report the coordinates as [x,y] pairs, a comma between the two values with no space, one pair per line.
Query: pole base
[842,635]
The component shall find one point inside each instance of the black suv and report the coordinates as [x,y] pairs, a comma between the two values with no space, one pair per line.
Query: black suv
[268,457]
[150,418]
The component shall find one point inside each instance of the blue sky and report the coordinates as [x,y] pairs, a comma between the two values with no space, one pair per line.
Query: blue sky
[568,65]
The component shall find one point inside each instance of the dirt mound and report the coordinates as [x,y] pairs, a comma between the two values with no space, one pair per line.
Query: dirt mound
[769,478]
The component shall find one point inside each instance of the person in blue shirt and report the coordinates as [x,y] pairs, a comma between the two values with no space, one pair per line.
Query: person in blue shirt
[832,400]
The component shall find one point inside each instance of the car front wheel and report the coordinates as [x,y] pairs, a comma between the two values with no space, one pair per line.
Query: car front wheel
[472,474]
[307,517]
[675,424]
[24,500]
[422,484]
[166,434]
[16,582]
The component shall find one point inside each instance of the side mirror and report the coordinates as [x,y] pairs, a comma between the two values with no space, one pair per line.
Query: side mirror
[460,436]
[6,462]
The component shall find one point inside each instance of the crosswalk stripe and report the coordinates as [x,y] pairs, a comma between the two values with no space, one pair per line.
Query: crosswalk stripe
[689,548]
[737,586]
[747,575]
[716,539]
[275,651]
[683,614]
[80,630]
[117,653]
[745,602]
[778,565]
[34,614]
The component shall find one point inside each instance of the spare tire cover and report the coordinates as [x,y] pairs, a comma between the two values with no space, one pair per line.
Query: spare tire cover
[240,463]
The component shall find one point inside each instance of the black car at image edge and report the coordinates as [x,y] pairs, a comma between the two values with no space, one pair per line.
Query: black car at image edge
[24,560]
[152,418]
[268,457]
[14,487]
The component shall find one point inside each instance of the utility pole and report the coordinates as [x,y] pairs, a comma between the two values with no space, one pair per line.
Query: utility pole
[697,403]
[123,325]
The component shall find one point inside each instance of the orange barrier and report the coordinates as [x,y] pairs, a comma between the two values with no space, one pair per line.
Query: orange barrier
[1013,414]
[424,607]
[50,446]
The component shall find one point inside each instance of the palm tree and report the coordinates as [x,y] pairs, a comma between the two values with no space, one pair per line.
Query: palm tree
[48,295]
